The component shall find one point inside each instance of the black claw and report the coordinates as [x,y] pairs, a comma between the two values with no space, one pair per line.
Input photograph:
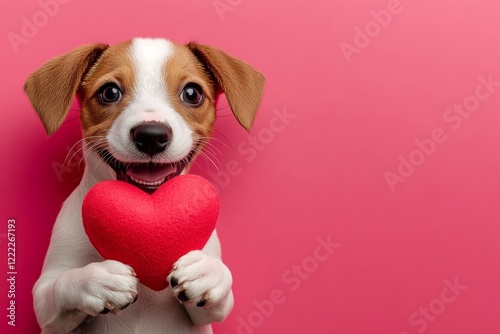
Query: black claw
[182,296]
[105,311]
[135,299]
[123,307]
[174,282]
[201,303]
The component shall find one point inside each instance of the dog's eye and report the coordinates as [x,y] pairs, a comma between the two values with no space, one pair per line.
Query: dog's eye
[109,93]
[192,94]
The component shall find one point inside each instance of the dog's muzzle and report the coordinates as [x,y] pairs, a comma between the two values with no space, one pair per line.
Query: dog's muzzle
[150,138]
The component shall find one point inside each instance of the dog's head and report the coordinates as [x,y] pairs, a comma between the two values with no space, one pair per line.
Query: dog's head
[147,105]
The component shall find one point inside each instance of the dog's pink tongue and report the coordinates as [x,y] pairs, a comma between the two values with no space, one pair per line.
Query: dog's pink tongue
[150,173]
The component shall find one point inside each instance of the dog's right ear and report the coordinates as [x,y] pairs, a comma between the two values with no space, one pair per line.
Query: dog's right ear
[52,87]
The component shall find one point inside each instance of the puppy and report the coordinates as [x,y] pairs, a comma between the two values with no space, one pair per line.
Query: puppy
[147,110]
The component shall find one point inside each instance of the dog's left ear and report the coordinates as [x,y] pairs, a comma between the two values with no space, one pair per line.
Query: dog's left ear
[242,84]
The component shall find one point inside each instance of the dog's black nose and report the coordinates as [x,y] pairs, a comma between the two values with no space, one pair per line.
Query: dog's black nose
[151,137]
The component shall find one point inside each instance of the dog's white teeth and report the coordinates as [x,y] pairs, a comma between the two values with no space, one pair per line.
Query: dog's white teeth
[149,184]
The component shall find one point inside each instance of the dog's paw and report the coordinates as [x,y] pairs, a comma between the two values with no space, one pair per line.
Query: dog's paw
[98,288]
[200,279]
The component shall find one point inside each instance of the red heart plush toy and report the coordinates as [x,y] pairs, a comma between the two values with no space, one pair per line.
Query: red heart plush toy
[150,232]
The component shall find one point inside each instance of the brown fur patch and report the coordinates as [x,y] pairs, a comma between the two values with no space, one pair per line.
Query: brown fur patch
[182,68]
[115,65]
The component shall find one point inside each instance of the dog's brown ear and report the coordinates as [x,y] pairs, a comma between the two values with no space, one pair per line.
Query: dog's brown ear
[242,84]
[52,87]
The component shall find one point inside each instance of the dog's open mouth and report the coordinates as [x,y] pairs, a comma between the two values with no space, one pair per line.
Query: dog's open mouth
[146,175]
[149,176]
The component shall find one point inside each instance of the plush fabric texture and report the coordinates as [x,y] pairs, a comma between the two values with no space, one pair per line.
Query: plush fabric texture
[150,232]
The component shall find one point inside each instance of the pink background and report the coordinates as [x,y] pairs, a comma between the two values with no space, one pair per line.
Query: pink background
[320,175]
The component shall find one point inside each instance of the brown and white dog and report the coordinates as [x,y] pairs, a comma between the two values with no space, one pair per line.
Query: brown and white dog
[147,109]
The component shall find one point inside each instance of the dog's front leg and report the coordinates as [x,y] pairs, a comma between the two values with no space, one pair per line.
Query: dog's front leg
[75,283]
[64,301]
[202,282]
